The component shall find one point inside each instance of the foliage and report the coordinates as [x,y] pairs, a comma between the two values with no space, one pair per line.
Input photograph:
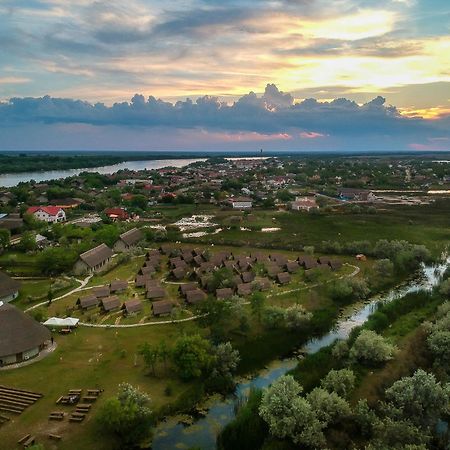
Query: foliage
[420,398]
[342,382]
[296,316]
[56,260]
[127,416]
[192,356]
[371,348]
[347,290]
[383,268]
[257,301]
[5,236]
[225,362]
[27,242]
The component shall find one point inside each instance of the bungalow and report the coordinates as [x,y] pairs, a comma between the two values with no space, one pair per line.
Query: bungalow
[244,289]
[88,302]
[178,273]
[155,292]
[128,240]
[118,286]
[262,284]
[240,202]
[141,280]
[272,270]
[101,291]
[132,307]
[50,214]
[195,296]
[110,304]
[162,308]
[93,260]
[9,288]
[146,270]
[335,264]
[11,222]
[292,266]
[184,288]
[307,262]
[247,277]
[224,293]
[283,278]
[324,260]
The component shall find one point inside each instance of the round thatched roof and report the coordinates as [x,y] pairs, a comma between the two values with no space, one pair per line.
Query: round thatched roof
[19,332]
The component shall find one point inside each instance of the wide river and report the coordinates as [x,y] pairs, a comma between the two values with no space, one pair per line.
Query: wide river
[13,179]
[202,434]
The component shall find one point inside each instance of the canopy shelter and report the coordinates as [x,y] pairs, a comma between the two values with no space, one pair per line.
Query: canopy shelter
[68,322]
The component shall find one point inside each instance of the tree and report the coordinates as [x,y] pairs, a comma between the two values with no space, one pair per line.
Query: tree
[328,407]
[296,316]
[383,268]
[257,301]
[340,381]
[225,362]
[371,348]
[289,415]
[444,288]
[439,345]
[163,353]
[5,236]
[150,356]
[127,416]
[192,356]
[28,242]
[56,260]
[420,398]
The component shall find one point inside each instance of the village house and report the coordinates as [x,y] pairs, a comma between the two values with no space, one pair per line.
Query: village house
[50,214]
[94,260]
[128,240]
[109,304]
[132,307]
[240,202]
[304,204]
[359,195]
[88,302]
[9,288]
[116,213]
[162,308]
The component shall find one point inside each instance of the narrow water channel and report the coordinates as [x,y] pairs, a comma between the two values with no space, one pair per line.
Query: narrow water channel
[171,434]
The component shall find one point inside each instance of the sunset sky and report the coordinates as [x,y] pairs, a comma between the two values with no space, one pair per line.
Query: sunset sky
[225,75]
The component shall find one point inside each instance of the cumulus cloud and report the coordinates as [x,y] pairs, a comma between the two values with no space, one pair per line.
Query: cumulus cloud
[273,113]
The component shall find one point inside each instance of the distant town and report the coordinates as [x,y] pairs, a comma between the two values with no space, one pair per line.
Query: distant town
[167,286]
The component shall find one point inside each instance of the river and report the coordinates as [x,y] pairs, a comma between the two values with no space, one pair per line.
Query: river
[202,434]
[13,179]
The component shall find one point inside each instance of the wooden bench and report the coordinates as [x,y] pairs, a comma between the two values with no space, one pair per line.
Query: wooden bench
[21,441]
[30,441]
[10,409]
[56,415]
[75,391]
[35,394]
[55,437]
[89,399]
[76,419]
[93,392]
[65,331]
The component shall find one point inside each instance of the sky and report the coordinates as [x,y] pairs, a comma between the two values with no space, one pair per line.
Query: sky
[225,75]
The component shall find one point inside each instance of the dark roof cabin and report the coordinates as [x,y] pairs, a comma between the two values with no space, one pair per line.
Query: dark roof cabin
[131,307]
[101,291]
[162,307]
[292,266]
[146,270]
[244,289]
[90,301]
[324,260]
[307,262]
[262,284]
[283,278]
[183,288]
[247,277]
[224,293]
[109,304]
[195,296]
[155,292]
[179,273]
[118,286]
[335,264]
[141,280]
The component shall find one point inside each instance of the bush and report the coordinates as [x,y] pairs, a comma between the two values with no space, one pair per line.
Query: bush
[371,348]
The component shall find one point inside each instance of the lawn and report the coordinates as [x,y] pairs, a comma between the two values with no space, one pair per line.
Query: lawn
[88,358]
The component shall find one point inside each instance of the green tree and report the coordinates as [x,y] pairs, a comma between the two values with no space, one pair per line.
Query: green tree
[296,316]
[192,356]
[127,417]
[28,241]
[56,260]
[5,236]
[420,398]
[150,356]
[328,407]
[340,381]
[371,348]
[257,301]
[383,268]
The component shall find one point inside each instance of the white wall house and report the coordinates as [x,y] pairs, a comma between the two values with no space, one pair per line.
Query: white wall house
[50,214]
[241,202]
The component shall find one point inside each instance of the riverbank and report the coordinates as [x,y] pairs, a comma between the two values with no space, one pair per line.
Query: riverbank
[203,432]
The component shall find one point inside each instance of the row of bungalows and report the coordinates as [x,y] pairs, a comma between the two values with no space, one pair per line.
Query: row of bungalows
[97,294]
[192,293]
[309,262]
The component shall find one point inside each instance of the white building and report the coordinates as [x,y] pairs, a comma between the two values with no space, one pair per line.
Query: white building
[304,204]
[241,202]
[50,214]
